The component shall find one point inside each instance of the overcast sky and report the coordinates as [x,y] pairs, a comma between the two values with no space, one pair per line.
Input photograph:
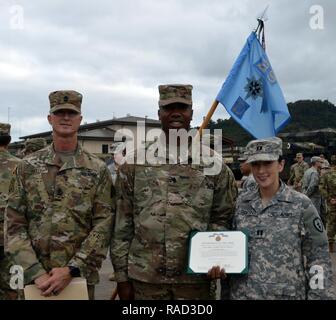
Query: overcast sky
[116,53]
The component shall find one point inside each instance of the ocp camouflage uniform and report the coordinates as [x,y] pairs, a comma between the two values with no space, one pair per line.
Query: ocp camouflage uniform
[328,191]
[7,166]
[310,187]
[60,214]
[280,236]
[33,145]
[157,208]
[296,173]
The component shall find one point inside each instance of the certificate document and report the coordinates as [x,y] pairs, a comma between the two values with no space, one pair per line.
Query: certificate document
[76,290]
[227,249]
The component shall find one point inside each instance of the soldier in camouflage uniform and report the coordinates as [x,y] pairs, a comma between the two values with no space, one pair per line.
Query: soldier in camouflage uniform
[328,192]
[310,183]
[59,214]
[157,208]
[7,166]
[247,182]
[287,242]
[33,145]
[297,171]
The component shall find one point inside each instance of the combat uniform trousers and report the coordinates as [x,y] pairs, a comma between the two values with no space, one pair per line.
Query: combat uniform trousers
[316,200]
[175,291]
[324,212]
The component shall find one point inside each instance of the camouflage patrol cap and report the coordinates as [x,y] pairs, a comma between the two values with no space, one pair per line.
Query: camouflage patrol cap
[5,129]
[65,99]
[175,93]
[316,159]
[34,144]
[264,149]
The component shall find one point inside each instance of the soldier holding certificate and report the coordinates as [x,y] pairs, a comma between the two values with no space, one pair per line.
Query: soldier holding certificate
[61,205]
[157,208]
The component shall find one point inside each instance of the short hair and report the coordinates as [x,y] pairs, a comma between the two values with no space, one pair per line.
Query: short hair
[5,140]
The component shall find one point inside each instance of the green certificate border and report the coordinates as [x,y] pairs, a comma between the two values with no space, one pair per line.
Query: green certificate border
[193,233]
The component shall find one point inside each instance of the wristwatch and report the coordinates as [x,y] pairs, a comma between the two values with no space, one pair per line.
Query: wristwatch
[74,271]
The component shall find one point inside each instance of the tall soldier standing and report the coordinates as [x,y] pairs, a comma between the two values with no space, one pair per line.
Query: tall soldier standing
[59,213]
[157,208]
[328,192]
[310,183]
[7,166]
[297,171]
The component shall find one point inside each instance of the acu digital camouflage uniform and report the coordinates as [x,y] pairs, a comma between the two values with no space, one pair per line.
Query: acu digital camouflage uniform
[284,233]
[60,208]
[249,184]
[328,192]
[157,208]
[7,166]
[310,186]
[296,173]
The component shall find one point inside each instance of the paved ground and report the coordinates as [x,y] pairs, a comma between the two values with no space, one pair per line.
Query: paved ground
[105,288]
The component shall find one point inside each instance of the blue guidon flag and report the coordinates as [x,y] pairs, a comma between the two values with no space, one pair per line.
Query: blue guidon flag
[251,93]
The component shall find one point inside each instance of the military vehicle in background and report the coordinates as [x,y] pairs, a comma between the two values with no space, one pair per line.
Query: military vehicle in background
[310,143]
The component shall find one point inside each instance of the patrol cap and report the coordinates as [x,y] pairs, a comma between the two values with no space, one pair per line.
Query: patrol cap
[175,93]
[316,159]
[5,129]
[65,99]
[34,144]
[264,149]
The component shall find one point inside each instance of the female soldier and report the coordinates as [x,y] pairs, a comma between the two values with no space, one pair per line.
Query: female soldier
[288,248]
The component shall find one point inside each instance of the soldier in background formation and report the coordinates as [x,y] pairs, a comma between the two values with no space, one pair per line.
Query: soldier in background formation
[7,166]
[310,183]
[247,181]
[158,206]
[325,161]
[328,192]
[59,213]
[297,171]
[284,231]
[33,145]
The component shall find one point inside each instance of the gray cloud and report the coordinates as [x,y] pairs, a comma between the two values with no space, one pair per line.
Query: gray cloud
[117,52]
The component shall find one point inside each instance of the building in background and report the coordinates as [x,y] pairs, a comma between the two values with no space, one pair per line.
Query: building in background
[98,137]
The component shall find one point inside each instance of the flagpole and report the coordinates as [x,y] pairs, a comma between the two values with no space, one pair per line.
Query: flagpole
[208,117]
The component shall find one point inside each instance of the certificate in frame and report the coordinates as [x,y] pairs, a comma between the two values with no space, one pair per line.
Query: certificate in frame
[228,249]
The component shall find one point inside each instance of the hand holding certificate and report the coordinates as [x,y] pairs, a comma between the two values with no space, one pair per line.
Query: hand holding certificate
[227,249]
[76,290]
